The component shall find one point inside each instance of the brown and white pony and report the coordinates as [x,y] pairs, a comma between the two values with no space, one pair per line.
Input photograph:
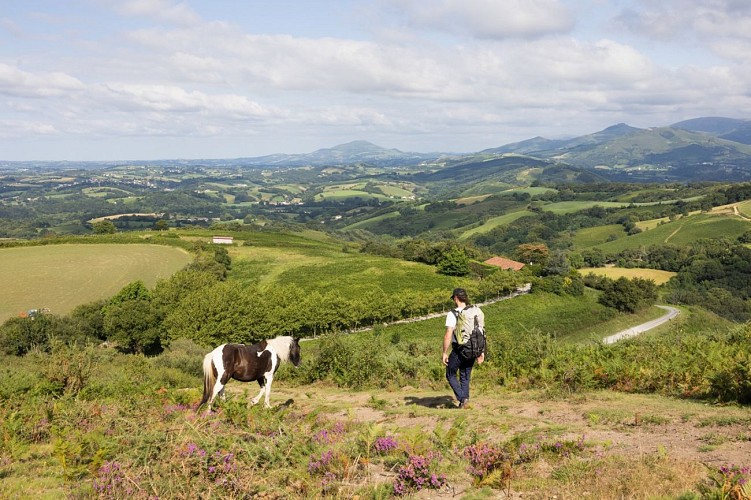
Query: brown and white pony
[247,363]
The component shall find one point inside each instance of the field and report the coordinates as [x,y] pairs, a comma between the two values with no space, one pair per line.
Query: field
[61,277]
[565,207]
[592,236]
[659,277]
[371,221]
[494,222]
[683,232]
[341,194]
[744,208]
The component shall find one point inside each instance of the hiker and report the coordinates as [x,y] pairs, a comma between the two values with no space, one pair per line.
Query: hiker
[454,361]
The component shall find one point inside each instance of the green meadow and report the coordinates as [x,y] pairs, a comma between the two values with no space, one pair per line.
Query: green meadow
[683,231]
[591,236]
[565,207]
[494,222]
[60,277]
[372,221]
[341,194]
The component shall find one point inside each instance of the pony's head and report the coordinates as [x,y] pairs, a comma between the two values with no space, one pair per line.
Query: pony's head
[288,349]
[294,352]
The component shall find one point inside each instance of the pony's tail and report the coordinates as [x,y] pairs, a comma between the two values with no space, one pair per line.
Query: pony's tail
[209,379]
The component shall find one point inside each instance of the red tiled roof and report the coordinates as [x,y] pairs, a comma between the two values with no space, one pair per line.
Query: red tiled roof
[505,263]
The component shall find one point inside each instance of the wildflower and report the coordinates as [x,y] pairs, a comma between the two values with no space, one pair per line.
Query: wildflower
[385,444]
[416,475]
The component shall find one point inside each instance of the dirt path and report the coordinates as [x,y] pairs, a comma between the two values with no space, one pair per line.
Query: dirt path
[613,424]
[672,312]
[738,213]
[672,234]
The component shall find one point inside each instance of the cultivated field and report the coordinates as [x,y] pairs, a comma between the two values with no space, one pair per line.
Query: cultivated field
[61,277]
[659,277]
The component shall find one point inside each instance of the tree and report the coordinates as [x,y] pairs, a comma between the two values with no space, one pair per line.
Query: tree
[135,290]
[532,253]
[134,327]
[454,263]
[105,226]
[629,295]
[131,321]
[557,264]
[223,312]
[593,257]
[161,225]
[222,256]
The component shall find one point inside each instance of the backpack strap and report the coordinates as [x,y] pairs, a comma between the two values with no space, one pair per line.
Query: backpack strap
[457,327]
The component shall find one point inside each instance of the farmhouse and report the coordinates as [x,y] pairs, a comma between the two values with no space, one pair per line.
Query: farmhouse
[222,240]
[505,263]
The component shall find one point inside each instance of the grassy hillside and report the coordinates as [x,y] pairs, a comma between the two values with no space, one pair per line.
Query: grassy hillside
[323,268]
[683,231]
[494,222]
[61,277]
[591,236]
[114,436]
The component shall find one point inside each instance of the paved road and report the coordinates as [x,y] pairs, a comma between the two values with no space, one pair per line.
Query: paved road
[636,330]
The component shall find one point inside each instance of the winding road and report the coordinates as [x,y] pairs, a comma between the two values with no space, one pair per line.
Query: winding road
[672,312]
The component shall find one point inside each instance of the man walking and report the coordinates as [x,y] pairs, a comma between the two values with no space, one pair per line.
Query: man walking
[455,336]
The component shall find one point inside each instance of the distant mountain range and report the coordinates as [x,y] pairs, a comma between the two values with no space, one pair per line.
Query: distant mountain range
[709,148]
[344,154]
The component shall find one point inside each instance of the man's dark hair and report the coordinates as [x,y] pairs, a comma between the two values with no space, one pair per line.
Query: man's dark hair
[461,294]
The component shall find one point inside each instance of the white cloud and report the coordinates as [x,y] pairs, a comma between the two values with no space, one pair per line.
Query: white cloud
[160,10]
[464,75]
[684,19]
[18,83]
[490,19]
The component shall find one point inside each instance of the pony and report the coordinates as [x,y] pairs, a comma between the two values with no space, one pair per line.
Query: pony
[247,363]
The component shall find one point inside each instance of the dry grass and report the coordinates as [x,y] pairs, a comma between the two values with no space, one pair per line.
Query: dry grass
[659,277]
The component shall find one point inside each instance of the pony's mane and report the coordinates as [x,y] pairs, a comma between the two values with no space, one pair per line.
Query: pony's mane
[281,345]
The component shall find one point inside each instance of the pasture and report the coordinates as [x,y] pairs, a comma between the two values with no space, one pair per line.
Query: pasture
[322,267]
[494,222]
[343,194]
[683,231]
[565,207]
[591,236]
[486,188]
[60,277]
[659,277]
[364,224]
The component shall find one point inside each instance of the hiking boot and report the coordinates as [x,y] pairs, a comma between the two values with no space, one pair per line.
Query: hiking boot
[464,404]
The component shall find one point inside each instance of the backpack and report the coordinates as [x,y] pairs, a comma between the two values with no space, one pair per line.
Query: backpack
[471,323]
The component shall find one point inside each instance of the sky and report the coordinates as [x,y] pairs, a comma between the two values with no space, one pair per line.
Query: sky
[166,79]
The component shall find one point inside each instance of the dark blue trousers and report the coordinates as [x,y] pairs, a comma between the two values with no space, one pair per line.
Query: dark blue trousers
[460,383]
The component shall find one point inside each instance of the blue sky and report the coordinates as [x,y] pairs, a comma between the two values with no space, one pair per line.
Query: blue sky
[154,79]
